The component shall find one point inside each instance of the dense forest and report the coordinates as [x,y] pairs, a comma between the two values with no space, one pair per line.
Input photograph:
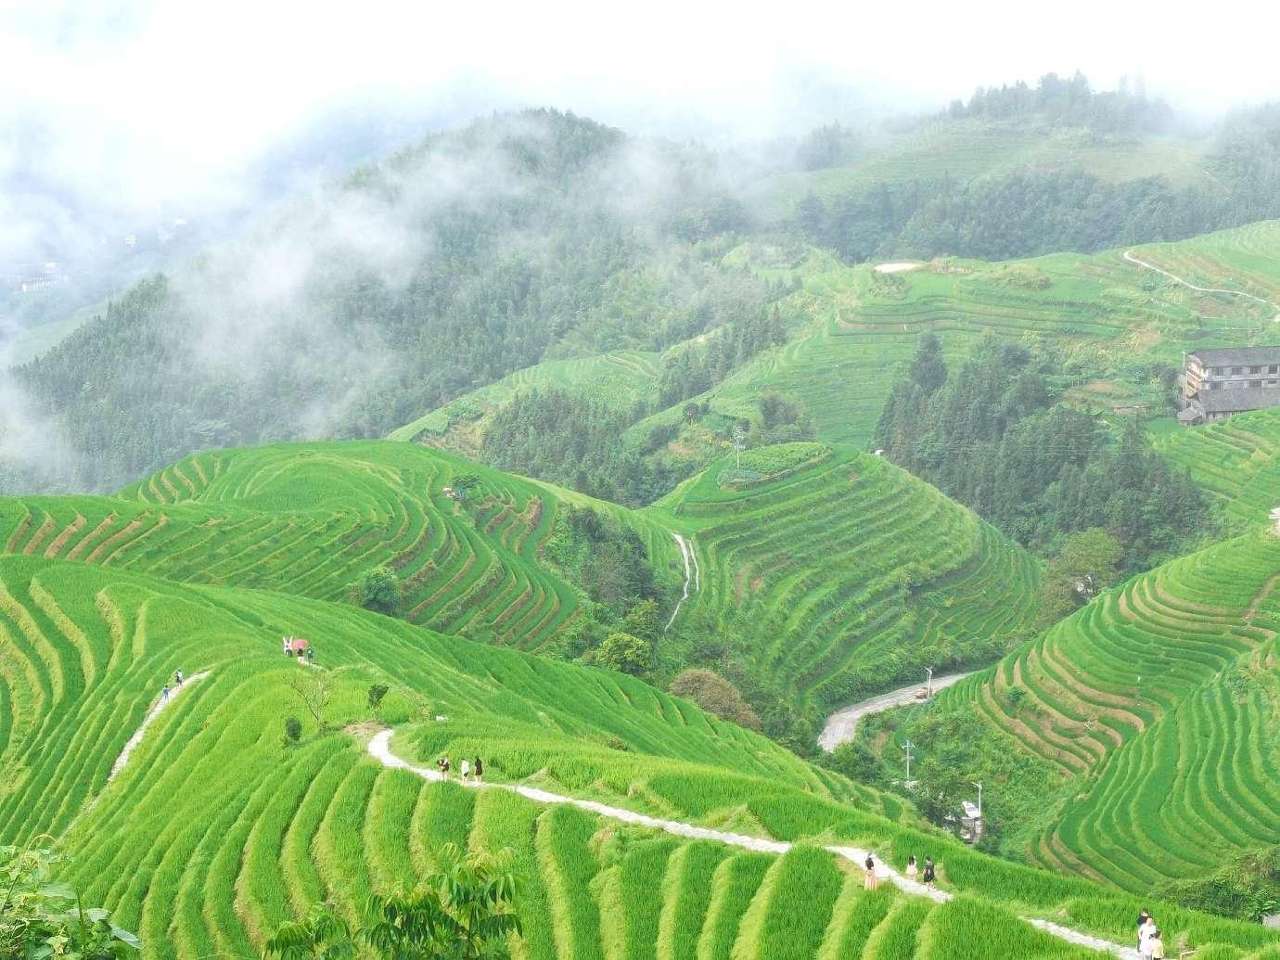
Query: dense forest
[476,253]
[992,434]
[1035,211]
[542,235]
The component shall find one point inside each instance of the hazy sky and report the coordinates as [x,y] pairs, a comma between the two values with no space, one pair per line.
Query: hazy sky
[145,101]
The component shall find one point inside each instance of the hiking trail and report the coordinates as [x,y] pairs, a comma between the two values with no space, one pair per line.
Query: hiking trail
[147,721]
[841,724]
[1128,255]
[380,750]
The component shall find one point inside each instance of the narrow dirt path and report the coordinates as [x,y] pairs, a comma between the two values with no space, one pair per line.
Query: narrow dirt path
[690,573]
[841,724]
[155,711]
[380,750]
[1128,255]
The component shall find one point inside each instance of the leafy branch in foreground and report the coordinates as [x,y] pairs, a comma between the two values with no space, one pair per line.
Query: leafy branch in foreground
[463,911]
[40,918]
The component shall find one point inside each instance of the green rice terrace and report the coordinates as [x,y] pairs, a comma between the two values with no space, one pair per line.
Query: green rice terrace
[620,378]
[202,829]
[973,148]
[1237,461]
[1114,314]
[309,519]
[1156,705]
[845,573]
[1111,316]
[836,571]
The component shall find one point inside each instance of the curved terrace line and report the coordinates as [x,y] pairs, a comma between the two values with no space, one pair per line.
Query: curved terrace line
[1128,255]
[380,750]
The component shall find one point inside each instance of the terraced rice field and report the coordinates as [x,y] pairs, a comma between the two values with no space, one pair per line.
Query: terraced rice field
[309,519]
[214,832]
[1160,697]
[1245,259]
[847,575]
[1237,461]
[970,148]
[624,379]
[1109,315]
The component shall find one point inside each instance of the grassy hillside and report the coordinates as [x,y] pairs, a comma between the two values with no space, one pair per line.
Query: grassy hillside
[624,379]
[310,519]
[1237,461]
[1112,319]
[836,573]
[971,148]
[910,581]
[214,831]
[850,327]
[1153,706]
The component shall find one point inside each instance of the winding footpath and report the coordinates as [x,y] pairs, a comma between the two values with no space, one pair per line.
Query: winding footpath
[1128,255]
[380,750]
[841,724]
[691,571]
[154,712]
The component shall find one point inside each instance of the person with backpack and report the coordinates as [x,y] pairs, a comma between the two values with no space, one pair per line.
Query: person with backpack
[478,769]
[465,768]
[930,877]
[1148,935]
[871,881]
[177,677]
[1156,943]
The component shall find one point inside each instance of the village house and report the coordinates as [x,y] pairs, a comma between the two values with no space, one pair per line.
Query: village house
[1219,383]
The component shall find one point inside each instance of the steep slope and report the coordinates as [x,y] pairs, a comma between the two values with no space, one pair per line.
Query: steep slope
[838,576]
[1236,461]
[214,831]
[850,327]
[1153,705]
[310,519]
[836,573]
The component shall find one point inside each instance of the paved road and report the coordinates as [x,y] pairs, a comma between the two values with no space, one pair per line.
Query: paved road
[380,749]
[841,724]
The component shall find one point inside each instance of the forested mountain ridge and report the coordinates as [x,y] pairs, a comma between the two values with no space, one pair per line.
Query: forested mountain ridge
[450,265]
[540,236]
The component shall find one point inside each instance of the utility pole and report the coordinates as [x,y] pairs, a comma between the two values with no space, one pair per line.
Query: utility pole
[928,684]
[908,746]
[978,784]
[739,444]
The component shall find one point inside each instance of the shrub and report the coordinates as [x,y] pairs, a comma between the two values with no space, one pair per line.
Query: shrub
[378,590]
[715,694]
[292,731]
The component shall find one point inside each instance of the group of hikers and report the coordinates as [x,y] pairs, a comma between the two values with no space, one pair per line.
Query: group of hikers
[929,877]
[166,689]
[1150,940]
[467,770]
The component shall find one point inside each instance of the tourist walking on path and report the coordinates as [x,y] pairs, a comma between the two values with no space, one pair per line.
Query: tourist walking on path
[465,768]
[1143,916]
[1148,934]
[911,870]
[872,881]
[478,767]
[164,694]
[930,877]
[177,678]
